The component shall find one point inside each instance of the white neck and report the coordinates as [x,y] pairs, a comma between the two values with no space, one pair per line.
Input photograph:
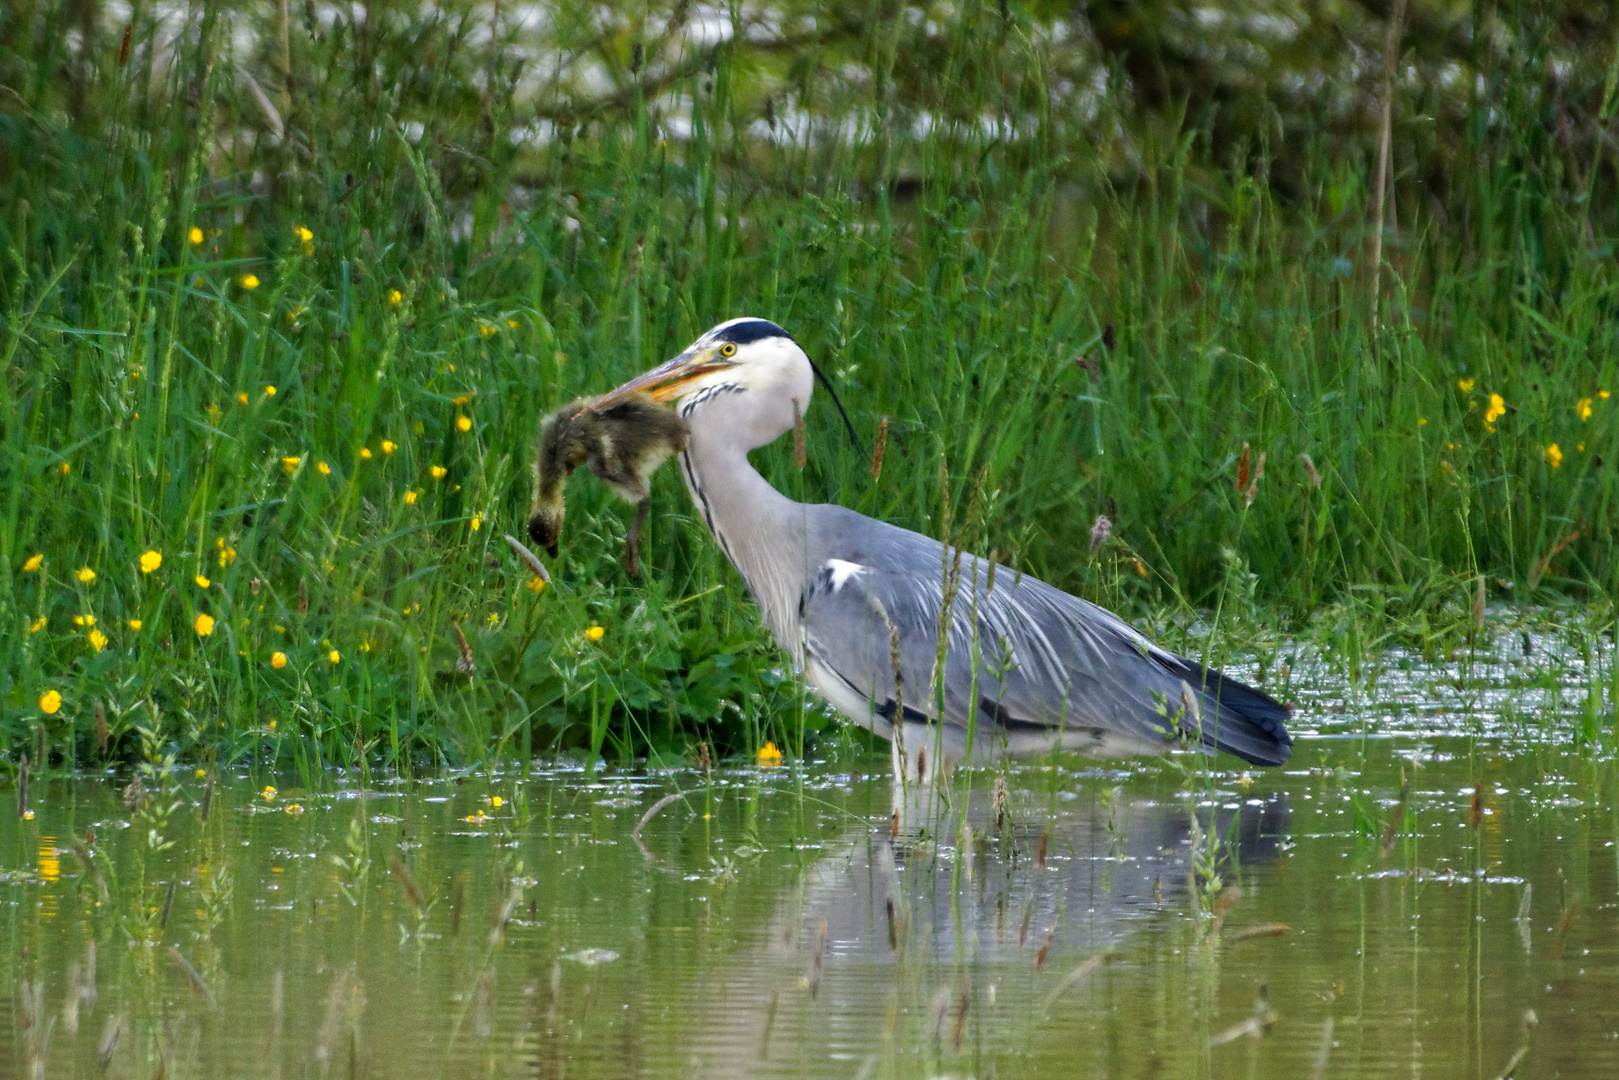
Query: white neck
[760,530]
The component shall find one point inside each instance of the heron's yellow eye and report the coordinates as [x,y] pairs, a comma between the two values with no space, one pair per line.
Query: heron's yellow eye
[728,349]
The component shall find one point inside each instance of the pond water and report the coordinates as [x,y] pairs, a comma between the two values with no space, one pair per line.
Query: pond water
[1145,919]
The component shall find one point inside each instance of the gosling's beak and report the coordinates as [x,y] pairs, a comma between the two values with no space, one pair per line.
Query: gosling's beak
[668,380]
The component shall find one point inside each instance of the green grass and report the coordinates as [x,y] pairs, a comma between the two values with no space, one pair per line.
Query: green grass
[949,281]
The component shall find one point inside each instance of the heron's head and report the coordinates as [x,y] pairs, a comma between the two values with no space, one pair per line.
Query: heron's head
[745,373]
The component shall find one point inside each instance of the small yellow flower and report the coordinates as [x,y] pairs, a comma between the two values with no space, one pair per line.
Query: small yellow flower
[595,633]
[1554,456]
[536,585]
[134,624]
[289,465]
[410,498]
[395,296]
[202,582]
[1497,409]
[492,618]
[1422,421]
[477,522]
[205,624]
[769,755]
[278,660]
[437,471]
[335,657]
[28,815]
[463,423]
[269,391]
[512,323]
[250,282]
[84,620]
[199,773]
[387,447]
[37,625]
[34,563]
[1583,407]
[365,453]
[98,640]
[323,468]
[1465,385]
[86,575]
[227,555]
[65,468]
[496,801]
[242,398]
[463,399]
[50,702]
[1603,394]
[195,236]
[150,561]
[294,809]
[268,794]
[302,233]
[485,330]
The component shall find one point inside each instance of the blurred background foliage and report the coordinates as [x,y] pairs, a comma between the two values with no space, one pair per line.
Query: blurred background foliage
[1081,260]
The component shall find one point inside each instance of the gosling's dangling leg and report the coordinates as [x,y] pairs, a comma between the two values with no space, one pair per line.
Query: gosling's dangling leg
[632,540]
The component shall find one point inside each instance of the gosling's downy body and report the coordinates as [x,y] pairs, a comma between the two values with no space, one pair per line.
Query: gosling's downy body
[622,444]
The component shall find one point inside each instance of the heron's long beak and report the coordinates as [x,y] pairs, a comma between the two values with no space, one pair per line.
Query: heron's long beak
[669,379]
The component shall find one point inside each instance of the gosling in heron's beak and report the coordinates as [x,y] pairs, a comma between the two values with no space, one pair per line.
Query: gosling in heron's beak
[623,444]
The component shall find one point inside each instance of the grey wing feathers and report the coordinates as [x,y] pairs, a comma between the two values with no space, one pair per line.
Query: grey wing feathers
[1032,661]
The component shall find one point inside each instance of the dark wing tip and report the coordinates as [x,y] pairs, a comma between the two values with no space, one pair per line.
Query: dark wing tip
[1246,722]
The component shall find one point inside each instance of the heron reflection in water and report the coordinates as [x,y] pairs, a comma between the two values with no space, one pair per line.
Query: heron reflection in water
[857,603]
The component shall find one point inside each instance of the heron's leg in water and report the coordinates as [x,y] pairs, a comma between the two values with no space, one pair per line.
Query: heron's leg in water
[632,541]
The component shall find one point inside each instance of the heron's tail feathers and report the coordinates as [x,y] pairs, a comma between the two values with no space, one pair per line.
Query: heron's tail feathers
[1235,717]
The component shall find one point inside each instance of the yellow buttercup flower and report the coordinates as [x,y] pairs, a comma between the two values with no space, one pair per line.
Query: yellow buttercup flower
[536,584]
[437,471]
[84,620]
[199,773]
[323,468]
[477,522]
[86,575]
[302,233]
[34,563]
[463,399]
[463,423]
[150,561]
[512,323]
[289,465]
[268,794]
[595,633]
[1603,394]
[387,447]
[250,282]
[1554,456]
[227,555]
[202,582]
[37,625]
[485,330]
[242,398]
[395,296]
[410,498]
[195,236]
[335,657]
[1497,409]
[1465,385]
[365,453]
[50,702]
[269,391]
[98,640]
[1583,408]
[769,755]
[1422,421]
[496,801]
[205,625]
[278,660]
[134,624]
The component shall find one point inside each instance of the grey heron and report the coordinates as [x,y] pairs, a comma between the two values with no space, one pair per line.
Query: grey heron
[857,603]
[623,443]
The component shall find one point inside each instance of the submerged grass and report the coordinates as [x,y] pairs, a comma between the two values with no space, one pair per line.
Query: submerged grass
[269,389]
